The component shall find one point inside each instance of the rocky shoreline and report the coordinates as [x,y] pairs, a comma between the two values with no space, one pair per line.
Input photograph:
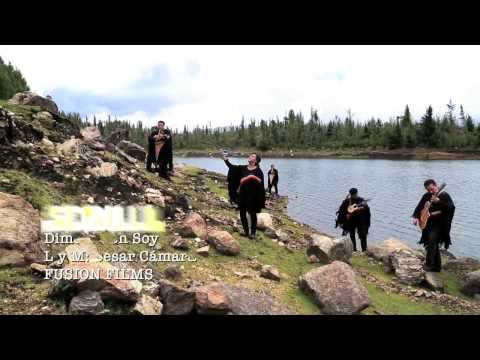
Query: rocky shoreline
[289,269]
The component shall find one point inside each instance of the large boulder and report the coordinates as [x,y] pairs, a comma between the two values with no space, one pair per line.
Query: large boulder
[335,289]
[147,305]
[243,301]
[92,137]
[270,272]
[106,169]
[328,249]
[462,265]
[11,258]
[407,266]
[86,302]
[194,226]
[117,136]
[69,146]
[264,221]
[31,99]
[383,250]
[471,285]
[211,300]
[175,300]
[433,282]
[92,273]
[154,196]
[224,242]
[20,234]
[132,149]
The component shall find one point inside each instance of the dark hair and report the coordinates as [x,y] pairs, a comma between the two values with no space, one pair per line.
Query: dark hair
[428,183]
[161,121]
[257,157]
[353,191]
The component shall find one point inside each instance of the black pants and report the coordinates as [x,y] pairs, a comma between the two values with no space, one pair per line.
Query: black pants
[362,234]
[274,185]
[253,218]
[162,164]
[433,259]
[170,162]
[150,161]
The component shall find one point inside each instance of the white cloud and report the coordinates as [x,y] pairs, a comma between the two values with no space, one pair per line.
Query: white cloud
[220,84]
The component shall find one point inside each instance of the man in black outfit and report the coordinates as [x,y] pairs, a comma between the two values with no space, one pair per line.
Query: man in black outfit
[159,136]
[437,230]
[356,221]
[273,179]
[151,149]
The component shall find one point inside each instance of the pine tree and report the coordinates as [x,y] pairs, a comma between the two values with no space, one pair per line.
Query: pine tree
[428,128]
[407,118]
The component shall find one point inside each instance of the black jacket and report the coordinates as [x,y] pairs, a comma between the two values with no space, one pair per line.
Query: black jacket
[250,194]
[443,221]
[362,218]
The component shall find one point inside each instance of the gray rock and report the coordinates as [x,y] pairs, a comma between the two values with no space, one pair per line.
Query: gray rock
[179,243]
[116,136]
[11,258]
[433,282]
[462,265]
[173,273]
[328,249]
[175,300]
[335,289]
[86,302]
[31,99]
[244,301]
[471,285]
[270,272]
[147,305]
[132,149]
[203,251]
[382,251]
[282,236]
[20,232]
[407,266]
[264,221]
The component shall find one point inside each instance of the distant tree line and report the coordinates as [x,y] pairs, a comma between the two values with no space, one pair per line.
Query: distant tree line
[11,81]
[447,131]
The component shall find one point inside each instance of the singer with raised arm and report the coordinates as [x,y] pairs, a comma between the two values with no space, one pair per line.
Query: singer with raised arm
[434,215]
[247,182]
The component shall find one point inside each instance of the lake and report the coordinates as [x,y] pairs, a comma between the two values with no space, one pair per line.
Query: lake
[316,187]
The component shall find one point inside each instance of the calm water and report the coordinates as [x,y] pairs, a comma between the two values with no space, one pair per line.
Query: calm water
[316,187]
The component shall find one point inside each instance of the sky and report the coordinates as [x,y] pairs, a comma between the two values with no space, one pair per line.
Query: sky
[218,85]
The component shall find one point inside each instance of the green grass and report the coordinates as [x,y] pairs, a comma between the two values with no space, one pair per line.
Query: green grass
[396,304]
[364,263]
[37,192]
[452,284]
[217,188]
[19,109]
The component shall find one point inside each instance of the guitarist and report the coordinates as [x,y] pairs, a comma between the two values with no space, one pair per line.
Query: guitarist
[437,230]
[356,221]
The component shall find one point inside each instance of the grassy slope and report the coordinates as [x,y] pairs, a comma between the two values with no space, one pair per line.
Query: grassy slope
[20,292]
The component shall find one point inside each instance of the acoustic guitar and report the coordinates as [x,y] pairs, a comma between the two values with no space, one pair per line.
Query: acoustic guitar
[425,213]
[354,207]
